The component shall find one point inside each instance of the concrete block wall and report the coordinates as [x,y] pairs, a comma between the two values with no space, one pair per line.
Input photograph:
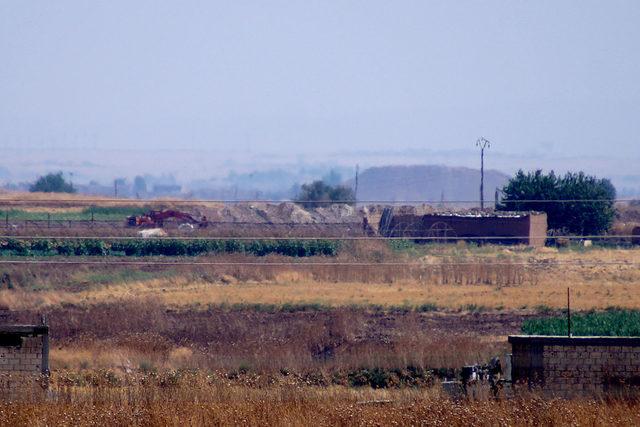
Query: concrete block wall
[24,359]
[27,357]
[567,367]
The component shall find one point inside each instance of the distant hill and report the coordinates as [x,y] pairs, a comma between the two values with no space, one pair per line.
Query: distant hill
[427,182]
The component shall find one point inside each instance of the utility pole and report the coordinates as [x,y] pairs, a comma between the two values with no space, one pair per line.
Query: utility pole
[355,195]
[482,143]
[115,187]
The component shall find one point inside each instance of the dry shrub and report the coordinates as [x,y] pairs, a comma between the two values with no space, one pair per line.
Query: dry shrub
[269,339]
[180,357]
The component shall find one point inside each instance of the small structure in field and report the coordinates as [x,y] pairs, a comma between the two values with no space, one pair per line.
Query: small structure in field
[24,356]
[152,232]
[529,228]
[576,366]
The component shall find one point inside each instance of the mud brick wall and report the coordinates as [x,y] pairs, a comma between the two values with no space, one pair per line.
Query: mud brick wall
[529,229]
[579,366]
[537,230]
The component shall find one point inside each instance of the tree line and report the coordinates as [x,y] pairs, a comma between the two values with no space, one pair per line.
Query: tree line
[574,202]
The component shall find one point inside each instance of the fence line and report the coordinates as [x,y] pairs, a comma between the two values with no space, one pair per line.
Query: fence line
[324,264]
[332,238]
[311,202]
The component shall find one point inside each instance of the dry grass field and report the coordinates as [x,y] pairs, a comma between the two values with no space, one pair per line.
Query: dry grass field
[184,293]
[362,338]
[441,313]
[207,401]
[505,279]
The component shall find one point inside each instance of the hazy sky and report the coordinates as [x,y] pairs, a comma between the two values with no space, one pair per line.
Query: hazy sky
[536,77]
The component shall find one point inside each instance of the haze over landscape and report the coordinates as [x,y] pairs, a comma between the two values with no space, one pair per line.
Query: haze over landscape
[292,213]
[200,90]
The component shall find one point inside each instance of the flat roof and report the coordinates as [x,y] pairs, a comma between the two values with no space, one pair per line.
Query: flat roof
[23,329]
[481,214]
[472,213]
[580,340]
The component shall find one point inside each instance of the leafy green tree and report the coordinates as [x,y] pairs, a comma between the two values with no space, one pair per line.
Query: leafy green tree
[318,191]
[52,183]
[575,202]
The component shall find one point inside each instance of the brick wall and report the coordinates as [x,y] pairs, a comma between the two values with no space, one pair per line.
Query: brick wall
[27,357]
[531,228]
[567,367]
[24,357]
[538,229]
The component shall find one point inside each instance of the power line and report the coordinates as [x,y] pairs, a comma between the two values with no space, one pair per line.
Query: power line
[338,238]
[236,201]
[322,264]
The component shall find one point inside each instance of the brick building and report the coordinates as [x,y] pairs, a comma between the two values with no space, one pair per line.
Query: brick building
[528,228]
[24,355]
[576,366]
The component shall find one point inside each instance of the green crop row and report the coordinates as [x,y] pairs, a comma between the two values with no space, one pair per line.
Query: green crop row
[98,213]
[612,322]
[167,247]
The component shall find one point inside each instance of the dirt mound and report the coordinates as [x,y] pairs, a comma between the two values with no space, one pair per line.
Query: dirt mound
[628,212]
[283,213]
[337,213]
[293,212]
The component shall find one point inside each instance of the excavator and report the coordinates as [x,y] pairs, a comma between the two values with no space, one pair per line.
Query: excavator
[156,219]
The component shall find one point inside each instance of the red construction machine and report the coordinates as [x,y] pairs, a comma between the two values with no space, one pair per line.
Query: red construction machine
[156,219]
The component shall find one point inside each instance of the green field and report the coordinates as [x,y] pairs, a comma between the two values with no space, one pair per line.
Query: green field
[166,247]
[612,322]
[114,213]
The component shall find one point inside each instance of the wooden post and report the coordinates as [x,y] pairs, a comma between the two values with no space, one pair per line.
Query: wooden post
[568,312]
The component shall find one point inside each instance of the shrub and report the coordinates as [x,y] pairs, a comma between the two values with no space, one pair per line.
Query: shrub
[375,378]
[427,307]
[52,183]
[45,246]
[318,193]
[93,247]
[16,247]
[64,247]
